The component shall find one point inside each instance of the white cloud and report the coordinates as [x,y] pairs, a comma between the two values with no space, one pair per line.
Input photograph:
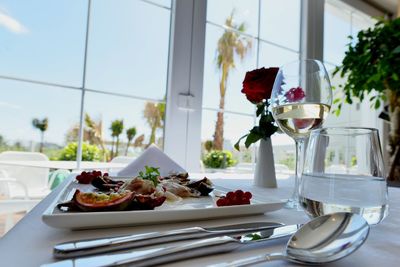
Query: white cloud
[8,105]
[12,24]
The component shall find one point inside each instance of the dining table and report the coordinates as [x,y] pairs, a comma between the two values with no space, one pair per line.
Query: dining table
[30,241]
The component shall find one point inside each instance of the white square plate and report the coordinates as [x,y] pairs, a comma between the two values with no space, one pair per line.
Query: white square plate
[188,209]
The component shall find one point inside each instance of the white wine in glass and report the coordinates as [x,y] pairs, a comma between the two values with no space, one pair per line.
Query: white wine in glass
[301,99]
[297,120]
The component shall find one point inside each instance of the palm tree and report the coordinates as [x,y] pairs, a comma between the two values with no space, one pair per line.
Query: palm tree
[94,134]
[116,128]
[154,114]
[130,134]
[232,43]
[42,126]
[139,141]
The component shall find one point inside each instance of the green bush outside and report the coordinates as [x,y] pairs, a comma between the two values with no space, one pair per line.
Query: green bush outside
[219,159]
[89,152]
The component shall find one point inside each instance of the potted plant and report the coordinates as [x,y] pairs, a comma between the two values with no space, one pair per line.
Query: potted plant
[372,69]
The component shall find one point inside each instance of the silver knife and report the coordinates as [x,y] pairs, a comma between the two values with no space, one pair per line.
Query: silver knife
[79,248]
[156,256]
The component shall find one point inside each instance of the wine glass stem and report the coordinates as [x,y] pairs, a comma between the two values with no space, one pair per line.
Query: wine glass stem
[299,167]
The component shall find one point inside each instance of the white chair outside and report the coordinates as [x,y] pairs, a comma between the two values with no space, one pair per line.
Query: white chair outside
[21,188]
[24,182]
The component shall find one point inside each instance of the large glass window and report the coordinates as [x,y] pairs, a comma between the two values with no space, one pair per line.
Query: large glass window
[43,73]
[254,24]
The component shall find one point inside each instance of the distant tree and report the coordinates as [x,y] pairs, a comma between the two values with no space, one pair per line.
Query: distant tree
[130,134]
[94,131]
[139,141]
[42,126]
[116,128]
[208,145]
[2,141]
[232,43]
[154,115]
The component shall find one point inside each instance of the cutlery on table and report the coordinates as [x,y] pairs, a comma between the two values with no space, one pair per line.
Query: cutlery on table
[325,239]
[155,256]
[80,248]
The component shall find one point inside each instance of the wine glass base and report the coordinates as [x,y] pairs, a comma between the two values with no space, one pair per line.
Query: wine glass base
[293,204]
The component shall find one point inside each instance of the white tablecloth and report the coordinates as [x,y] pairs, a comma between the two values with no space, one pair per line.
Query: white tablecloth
[30,242]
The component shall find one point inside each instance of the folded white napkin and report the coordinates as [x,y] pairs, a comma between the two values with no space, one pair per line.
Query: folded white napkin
[152,157]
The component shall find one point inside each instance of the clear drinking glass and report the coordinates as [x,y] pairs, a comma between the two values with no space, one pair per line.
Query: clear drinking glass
[344,171]
[301,99]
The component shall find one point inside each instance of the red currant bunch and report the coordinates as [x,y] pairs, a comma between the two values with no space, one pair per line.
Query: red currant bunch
[87,177]
[237,197]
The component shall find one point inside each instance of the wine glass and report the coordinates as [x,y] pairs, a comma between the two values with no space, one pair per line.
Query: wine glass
[344,172]
[301,99]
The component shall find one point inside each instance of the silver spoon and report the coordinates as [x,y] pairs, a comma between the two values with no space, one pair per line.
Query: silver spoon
[324,239]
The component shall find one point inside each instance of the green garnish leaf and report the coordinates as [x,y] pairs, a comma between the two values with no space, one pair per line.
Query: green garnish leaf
[151,173]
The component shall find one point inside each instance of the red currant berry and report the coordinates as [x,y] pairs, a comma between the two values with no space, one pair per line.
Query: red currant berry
[230,195]
[239,194]
[248,195]
[221,202]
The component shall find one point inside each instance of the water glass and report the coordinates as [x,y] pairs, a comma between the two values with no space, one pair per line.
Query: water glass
[344,171]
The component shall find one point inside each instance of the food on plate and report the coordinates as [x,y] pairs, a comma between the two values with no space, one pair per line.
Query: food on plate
[204,186]
[105,183]
[144,192]
[237,197]
[95,201]
[179,190]
[87,177]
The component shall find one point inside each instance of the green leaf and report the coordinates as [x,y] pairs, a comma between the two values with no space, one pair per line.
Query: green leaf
[252,137]
[377,104]
[396,50]
[237,145]
[336,101]
[151,174]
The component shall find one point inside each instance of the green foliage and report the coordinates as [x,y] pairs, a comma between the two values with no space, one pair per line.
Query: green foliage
[219,159]
[266,127]
[151,173]
[89,152]
[372,64]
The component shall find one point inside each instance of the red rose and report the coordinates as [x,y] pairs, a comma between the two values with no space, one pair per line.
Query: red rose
[295,94]
[257,84]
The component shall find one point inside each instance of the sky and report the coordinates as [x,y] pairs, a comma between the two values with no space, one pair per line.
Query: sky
[127,53]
